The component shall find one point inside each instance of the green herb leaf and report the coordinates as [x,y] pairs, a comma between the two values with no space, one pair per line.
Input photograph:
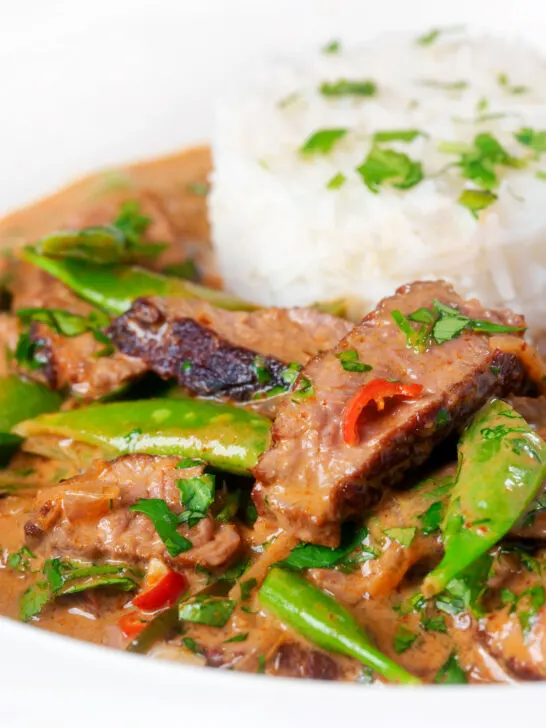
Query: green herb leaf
[196,495]
[230,508]
[20,560]
[344,87]
[165,523]
[434,624]
[314,556]
[385,165]
[350,361]
[247,587]
[322,141]
[34,600]
[193,646]
[451,673]
[432,518]
[396,135]
[261,664]
[535,140]
[237,638]
[404,536]
[432,35]
[337,181]
[261,369]
[451,322]
[212,611]
[403,639]
[334,46]
[511,88]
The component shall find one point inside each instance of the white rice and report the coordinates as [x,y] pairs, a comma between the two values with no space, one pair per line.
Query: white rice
[283,238]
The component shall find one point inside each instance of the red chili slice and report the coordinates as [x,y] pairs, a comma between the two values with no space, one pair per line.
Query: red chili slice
[375,391]
[163,586]
[131,624]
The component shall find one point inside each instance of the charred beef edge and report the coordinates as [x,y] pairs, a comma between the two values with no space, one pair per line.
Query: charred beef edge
[193,354]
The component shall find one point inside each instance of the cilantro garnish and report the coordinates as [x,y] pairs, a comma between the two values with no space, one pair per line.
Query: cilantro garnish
[535,140]
[451,673]
[387,166]
[403,639]
[322,141]
[344,87]
[165,523]
[350,361]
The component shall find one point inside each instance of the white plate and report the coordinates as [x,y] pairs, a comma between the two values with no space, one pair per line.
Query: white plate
[90,84]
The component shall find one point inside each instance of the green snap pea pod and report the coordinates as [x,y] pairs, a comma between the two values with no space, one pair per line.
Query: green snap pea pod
[322,620]
[502,465]
[20,399]
[114,287]
[226,437]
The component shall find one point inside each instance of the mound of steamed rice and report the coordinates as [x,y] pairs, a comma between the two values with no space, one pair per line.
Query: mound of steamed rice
[284,237]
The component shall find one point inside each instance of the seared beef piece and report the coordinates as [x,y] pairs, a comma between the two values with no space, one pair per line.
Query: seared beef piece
[75,364]
[216,352]
[293,659]
[516,639]
[88,516]
[34,288]
[312,479]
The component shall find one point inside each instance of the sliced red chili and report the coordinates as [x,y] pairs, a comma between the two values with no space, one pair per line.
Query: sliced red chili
[375,391]
[163,591]
[131,624]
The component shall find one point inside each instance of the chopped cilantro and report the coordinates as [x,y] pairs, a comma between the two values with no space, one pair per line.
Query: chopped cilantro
[20,560]
[63,577]
[337,181]
[511,88]
[403,639]
[387,166]
[322,141]
[442,418]
[451,673]
[396,135]
[434,624]
[196,495]
[432,518]
[451,322]
[535,140]
[261,664]
[350,361]
[211,611]
[315,556]
[334,46]
[344,87]
[193,646]
[432,35]
[241,637]
[165,523]
[247,587]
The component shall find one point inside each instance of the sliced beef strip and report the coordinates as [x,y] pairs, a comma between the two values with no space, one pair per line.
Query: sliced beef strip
[521,651]
[34,288]
[75,364]
[88,515]
[311,479]
[214,352]
[293,659]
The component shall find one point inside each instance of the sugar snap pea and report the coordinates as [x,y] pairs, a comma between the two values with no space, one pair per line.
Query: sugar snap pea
[113,288]
[322,620]
[226,437]
[502,465]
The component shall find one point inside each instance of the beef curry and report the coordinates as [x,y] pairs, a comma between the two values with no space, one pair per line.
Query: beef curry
[190,476]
